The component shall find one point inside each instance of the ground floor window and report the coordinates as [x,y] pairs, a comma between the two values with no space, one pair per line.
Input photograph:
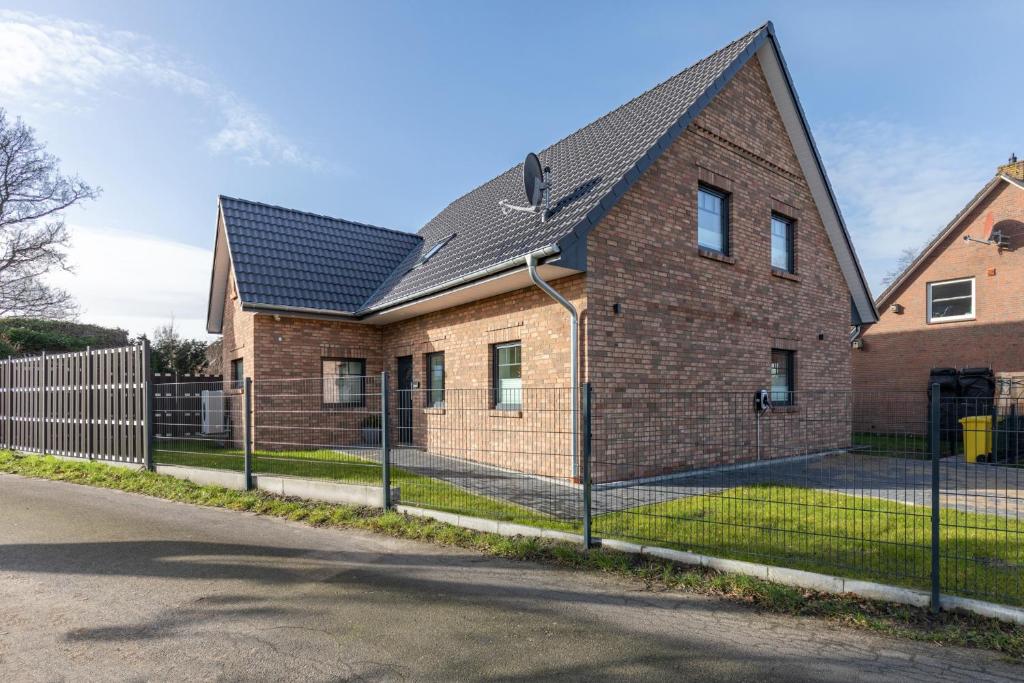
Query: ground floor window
[435,379]
[344,381]
[237,373]
[783,376]
[506,371]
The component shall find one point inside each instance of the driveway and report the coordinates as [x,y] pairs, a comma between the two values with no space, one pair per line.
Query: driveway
[103,585]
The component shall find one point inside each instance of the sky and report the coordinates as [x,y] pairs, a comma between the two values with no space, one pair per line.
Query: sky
[384,112]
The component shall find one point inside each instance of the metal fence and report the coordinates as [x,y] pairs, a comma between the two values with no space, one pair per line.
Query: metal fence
[903,488]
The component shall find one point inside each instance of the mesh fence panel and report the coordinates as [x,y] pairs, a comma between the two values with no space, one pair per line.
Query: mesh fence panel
[319,428]
[198,424]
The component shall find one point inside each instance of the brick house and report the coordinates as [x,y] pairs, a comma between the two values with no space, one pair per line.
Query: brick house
[959,303]
[692,229]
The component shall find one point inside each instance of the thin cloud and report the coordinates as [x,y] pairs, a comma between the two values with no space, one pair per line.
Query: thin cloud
[898,187]
[117,285]
[52,62]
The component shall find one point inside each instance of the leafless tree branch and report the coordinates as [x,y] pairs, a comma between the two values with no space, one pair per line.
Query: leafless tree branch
[33,238]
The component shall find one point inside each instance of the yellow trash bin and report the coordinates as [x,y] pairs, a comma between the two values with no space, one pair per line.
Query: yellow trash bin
[977,436]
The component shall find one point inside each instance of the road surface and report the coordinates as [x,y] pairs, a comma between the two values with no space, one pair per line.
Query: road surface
[104,585]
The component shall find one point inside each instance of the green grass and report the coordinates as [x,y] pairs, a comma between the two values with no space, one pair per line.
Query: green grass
[416,489]
[904,445]
[647,573]
[834,533]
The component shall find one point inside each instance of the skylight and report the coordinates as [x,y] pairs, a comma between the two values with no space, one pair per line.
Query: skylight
[433,250]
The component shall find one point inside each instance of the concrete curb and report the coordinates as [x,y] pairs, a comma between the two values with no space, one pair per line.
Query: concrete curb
[204,477]
[823,583]
[327,491]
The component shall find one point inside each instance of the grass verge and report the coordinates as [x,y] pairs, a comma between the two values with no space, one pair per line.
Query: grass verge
[886,618]
[348,468]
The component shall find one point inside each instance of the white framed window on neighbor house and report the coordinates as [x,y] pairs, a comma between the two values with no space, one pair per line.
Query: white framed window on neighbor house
[951,300]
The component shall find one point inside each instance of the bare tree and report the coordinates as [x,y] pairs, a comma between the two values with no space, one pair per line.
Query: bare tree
[33,237]
[906,257]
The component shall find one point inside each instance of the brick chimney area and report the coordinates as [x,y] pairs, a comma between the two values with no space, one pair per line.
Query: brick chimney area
[1014,169]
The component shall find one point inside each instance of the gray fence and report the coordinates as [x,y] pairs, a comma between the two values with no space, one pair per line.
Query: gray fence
[90,404]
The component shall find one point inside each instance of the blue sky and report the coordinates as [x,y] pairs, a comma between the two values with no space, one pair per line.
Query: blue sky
[385,112]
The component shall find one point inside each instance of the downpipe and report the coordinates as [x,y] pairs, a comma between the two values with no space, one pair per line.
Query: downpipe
[574,351]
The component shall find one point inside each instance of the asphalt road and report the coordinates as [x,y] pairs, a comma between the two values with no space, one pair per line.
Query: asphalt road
[103,585]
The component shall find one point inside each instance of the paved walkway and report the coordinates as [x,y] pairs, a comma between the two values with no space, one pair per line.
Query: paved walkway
[974,488]
[99,585]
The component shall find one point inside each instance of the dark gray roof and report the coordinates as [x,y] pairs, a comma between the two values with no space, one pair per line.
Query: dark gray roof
[589,168]
[301,260]
[289,258]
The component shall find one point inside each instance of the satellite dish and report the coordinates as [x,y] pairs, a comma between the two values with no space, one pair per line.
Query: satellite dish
[533,179]
[537,183]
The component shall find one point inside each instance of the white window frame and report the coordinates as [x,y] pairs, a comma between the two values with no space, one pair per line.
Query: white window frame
[952,318]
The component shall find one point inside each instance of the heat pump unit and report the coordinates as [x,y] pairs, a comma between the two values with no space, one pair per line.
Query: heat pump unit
[213,412]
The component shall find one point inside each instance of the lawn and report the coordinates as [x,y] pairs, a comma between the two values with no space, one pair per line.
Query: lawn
[833,533]
[416,489]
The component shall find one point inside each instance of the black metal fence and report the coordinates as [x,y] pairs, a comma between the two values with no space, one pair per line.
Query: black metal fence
[901,488]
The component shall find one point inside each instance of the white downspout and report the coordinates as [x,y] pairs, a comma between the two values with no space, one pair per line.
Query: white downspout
[574,350]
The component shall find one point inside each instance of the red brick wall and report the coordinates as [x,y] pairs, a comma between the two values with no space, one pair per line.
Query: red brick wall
[687,322]
[900,349]
[537,439]
[692,323]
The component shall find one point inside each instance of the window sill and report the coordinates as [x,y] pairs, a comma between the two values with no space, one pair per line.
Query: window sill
[785,275]
[505,412]
[946,321]
[716,256]
[792,408]
[434,411]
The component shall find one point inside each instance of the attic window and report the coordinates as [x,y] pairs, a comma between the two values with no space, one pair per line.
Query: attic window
[433,250]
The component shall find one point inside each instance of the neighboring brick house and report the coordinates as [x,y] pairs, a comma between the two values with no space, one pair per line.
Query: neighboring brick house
[958,304]
[693,229]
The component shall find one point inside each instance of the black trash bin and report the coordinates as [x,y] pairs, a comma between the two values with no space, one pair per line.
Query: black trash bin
[948,380]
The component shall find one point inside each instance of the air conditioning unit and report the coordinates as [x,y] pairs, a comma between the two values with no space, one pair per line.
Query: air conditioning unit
[213,412]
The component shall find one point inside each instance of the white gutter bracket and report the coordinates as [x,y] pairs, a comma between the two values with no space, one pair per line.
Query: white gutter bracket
[574,351]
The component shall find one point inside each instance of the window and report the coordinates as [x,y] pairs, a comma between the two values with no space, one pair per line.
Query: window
[712,220]
[507,373]
[782,243]
[237,373]
[782,377]
[344,381]
[952,300]
[435,380]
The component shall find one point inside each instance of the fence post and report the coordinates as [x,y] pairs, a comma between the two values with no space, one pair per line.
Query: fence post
[87,408]
[147,409]
[934,426]
[385,441]
[588,540]
[42,404]
[10,403]
[247,431]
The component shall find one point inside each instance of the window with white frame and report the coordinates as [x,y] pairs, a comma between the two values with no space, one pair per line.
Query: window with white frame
[343,380]
[507,375]
[951,300]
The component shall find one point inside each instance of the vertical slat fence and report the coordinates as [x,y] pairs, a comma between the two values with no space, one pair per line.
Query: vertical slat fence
[86,404]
